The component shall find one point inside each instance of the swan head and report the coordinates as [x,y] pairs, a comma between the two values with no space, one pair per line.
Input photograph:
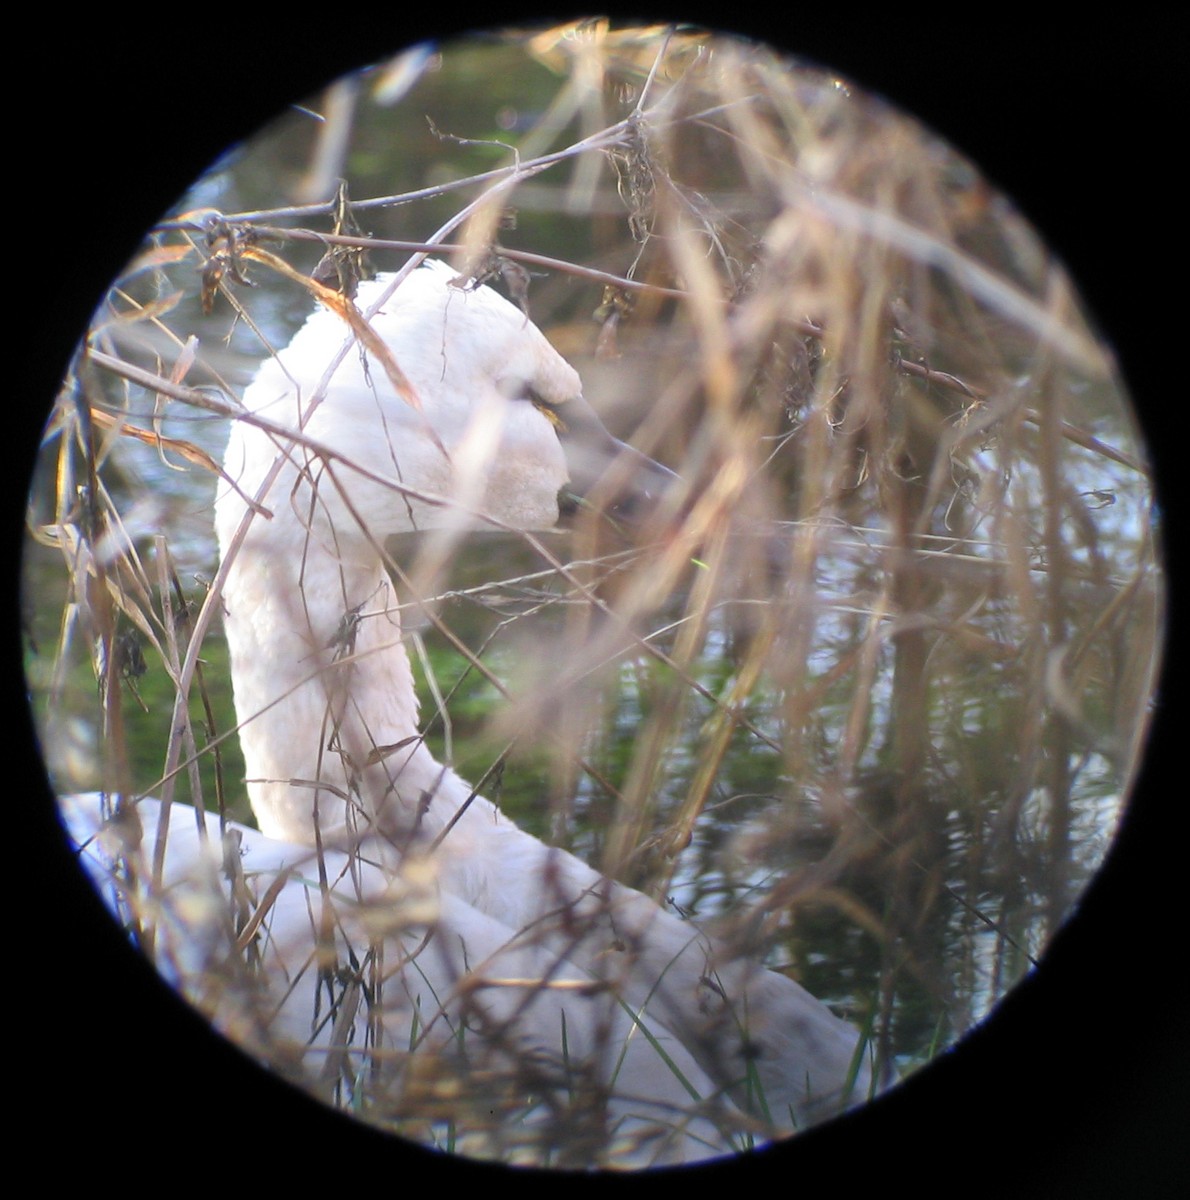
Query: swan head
[464,413]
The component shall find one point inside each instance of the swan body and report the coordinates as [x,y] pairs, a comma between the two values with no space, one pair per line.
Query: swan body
[345,790]
[473,974]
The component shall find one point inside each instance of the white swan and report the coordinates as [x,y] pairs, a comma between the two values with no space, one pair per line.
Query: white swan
[550,968]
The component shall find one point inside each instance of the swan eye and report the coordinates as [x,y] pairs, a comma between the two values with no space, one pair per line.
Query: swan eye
[547,410]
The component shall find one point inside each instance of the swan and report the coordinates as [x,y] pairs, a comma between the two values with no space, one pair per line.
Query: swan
[383,909]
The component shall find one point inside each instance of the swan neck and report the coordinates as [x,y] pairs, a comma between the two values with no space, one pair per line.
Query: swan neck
[324,691]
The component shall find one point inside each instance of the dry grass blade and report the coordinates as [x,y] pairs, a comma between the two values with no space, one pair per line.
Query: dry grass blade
[351,315]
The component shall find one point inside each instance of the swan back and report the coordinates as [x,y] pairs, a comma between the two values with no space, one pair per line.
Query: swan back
[436,991]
